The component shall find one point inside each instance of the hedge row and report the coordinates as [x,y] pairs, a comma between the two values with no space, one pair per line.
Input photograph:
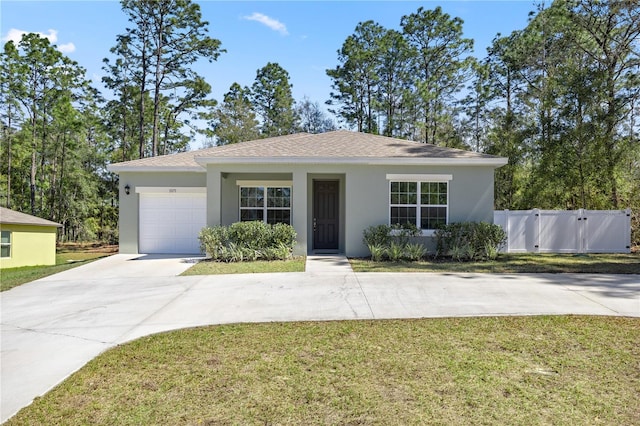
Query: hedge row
[248,241]
[460,241]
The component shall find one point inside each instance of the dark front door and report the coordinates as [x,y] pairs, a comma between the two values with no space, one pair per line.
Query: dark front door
[326,212]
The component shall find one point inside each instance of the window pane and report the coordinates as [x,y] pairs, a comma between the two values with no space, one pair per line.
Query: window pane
[5,251]
[402,215]
[404,192]
[424,193]
[251,214]
[278,216]
[432,217]
[251,197]
[433,193]
[5,238]
[278,197]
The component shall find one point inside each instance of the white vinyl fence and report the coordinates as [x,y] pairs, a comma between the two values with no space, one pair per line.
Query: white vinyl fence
[572,231]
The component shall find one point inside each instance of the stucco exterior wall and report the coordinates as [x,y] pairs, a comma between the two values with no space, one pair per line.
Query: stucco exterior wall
[129,213]
[364,196]
[470,198]
[30,245]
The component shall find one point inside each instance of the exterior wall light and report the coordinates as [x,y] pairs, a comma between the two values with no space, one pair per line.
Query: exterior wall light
[127,189]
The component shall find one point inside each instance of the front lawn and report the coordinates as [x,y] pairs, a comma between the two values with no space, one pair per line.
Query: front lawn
[68,256]
[515,263]
[463,371]
[209,267]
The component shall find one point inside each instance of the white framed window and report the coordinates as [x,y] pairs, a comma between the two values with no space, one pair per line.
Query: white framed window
[424,203]
[270,204]
[5,244]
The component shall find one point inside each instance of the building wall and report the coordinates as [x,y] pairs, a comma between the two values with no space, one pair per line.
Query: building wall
[364,195]
[129,212]
[470,198]
[30,245]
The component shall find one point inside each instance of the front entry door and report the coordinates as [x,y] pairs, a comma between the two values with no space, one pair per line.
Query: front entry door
[326,214]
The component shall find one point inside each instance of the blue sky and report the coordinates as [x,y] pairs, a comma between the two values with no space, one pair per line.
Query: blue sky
[302,36]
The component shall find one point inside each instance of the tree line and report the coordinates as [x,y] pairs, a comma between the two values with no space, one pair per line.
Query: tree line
[559,98]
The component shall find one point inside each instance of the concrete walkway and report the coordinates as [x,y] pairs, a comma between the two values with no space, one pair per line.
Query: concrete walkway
[327,263]
[53,326]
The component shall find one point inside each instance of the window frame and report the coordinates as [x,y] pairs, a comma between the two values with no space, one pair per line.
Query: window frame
[418,205]
[8,244]
[265,208]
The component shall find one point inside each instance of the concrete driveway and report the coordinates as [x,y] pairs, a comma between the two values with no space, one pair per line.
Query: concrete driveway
[53,326]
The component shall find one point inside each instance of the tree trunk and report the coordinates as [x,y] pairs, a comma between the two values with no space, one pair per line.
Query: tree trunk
[9,158]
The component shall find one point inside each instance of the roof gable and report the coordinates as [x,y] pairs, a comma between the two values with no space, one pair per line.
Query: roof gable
[333,147]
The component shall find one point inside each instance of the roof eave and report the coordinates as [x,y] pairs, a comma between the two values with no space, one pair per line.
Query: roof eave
[133,168]
[42,225]
[423,161]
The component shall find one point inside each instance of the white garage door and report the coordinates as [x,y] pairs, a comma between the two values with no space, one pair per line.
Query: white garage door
[170,222]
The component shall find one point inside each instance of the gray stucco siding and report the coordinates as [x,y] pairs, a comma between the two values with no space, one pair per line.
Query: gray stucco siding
[364,196]
[471,194]
[367,188]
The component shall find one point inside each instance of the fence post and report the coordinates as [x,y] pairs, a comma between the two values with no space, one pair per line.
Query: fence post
[628,227]
[582,230]
[508,229]
[536,215]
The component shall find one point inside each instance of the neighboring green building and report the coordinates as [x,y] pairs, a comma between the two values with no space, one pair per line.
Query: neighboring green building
[26,240]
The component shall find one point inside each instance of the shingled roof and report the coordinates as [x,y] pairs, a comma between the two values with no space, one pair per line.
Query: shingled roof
[333,147]
[8,216]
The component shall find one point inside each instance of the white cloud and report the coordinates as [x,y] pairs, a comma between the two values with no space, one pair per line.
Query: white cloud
[274,24]
[15,35]
[67,48]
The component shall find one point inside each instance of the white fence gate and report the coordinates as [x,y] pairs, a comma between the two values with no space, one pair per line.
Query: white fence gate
[572,231]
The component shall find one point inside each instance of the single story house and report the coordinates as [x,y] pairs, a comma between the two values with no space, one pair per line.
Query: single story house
[26,240]
[329,186]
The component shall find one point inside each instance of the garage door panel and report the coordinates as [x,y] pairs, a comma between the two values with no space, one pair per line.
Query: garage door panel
[171,223]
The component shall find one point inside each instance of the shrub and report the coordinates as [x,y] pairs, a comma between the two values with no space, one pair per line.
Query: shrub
[281,233]
[393,242]
[213,240]
[277,252]
[401,233]
[395,252]
[378,235]
[415,251]
[470,240]
[377,253]
[248,241]
[252,235]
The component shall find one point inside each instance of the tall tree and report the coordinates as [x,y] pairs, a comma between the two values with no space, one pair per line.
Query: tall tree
[53,145]
[505,135]
[235,120]
[272,100]
[608,34]
[440,65]
[356,80]
[312,118]
[394,82]
[166,38]
[41,79]
[11,115]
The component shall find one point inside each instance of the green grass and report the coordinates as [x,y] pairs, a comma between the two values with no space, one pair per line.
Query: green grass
[515,263]
[66,258]
[464,371]
[207,267]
